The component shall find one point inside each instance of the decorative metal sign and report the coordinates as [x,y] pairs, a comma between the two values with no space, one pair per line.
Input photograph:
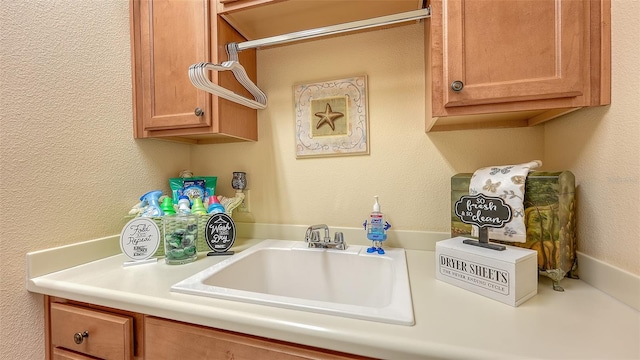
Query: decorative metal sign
[220,234]
[484,212]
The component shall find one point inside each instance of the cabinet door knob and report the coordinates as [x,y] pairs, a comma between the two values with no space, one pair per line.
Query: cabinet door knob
[198,112]
[78,337]
[457,86]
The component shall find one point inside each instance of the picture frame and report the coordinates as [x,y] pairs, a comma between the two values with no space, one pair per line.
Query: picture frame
[332,118]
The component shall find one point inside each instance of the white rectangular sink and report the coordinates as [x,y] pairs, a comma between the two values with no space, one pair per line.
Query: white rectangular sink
[288,274]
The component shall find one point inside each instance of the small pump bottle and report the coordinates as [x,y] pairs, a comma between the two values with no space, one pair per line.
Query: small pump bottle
[376,230]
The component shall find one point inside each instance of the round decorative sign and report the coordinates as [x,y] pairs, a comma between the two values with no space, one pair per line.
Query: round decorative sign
[220,233]
[140,238]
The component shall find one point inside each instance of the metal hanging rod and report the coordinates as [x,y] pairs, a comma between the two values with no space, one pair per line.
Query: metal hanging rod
[331,30]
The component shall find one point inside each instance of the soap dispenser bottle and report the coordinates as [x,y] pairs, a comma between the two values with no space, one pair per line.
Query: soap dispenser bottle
[376,227]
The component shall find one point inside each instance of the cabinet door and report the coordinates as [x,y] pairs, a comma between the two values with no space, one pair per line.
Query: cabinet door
[165,339]
[506,51]
[173,36]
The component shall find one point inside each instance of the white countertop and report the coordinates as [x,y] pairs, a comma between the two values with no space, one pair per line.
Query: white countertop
[579,323]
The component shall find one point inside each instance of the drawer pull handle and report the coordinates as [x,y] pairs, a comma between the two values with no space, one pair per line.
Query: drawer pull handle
[78,337]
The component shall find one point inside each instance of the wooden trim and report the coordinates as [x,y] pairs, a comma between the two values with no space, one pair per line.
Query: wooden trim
[429,123]
[136,72]
[549,115]
[479,125]
[47,328]
[228,7]
[601,52]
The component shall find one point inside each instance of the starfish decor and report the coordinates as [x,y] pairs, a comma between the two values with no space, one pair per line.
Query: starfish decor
[328,117]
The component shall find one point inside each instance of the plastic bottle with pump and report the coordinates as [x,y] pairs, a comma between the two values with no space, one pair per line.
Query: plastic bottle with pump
[376,228]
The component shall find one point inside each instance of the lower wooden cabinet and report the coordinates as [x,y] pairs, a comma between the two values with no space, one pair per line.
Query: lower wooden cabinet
[76,330]
[91,332]
[118,334]
[166,339]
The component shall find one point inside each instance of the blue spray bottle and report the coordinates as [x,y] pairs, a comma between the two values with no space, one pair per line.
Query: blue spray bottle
[376,228]
[153,207]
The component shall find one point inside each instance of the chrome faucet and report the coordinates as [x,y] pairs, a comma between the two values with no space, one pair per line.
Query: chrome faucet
[312,237]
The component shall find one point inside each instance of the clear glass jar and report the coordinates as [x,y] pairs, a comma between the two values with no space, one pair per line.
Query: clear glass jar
[180,239]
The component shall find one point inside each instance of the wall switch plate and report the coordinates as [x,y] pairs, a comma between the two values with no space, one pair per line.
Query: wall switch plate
[244,207]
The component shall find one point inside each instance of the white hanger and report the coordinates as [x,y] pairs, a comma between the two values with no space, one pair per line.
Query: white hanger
[198,76]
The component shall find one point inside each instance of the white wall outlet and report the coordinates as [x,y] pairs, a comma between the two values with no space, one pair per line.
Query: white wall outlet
[245,205]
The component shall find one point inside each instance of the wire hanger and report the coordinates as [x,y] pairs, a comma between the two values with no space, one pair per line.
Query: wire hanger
[198,72]
[198,76]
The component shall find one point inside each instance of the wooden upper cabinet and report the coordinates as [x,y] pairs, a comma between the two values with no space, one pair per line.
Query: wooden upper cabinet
[497,63]
[525,58]
[168,36]
[175,36]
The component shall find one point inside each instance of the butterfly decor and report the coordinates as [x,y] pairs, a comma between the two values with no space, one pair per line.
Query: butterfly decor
[510,194]
[509,231]
[490,186]
[504,170]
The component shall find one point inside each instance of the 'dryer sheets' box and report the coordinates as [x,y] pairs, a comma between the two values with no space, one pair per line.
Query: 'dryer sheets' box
[509,276]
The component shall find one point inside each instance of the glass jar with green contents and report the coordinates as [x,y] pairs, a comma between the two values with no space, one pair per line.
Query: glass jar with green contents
[180,238]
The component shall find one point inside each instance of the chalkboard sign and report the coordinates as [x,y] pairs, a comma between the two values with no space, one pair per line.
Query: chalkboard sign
[220,234]
[484,212]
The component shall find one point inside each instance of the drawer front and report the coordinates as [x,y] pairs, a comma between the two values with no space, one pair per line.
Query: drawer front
[108,336]
[166,339]
[62,354]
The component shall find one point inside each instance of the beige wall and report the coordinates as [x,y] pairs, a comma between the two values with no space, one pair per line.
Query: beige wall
[407,168]
[602,147]
[70,169]
[67,149]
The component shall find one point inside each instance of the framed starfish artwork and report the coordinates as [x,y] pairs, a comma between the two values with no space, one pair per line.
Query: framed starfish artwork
[332,118]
